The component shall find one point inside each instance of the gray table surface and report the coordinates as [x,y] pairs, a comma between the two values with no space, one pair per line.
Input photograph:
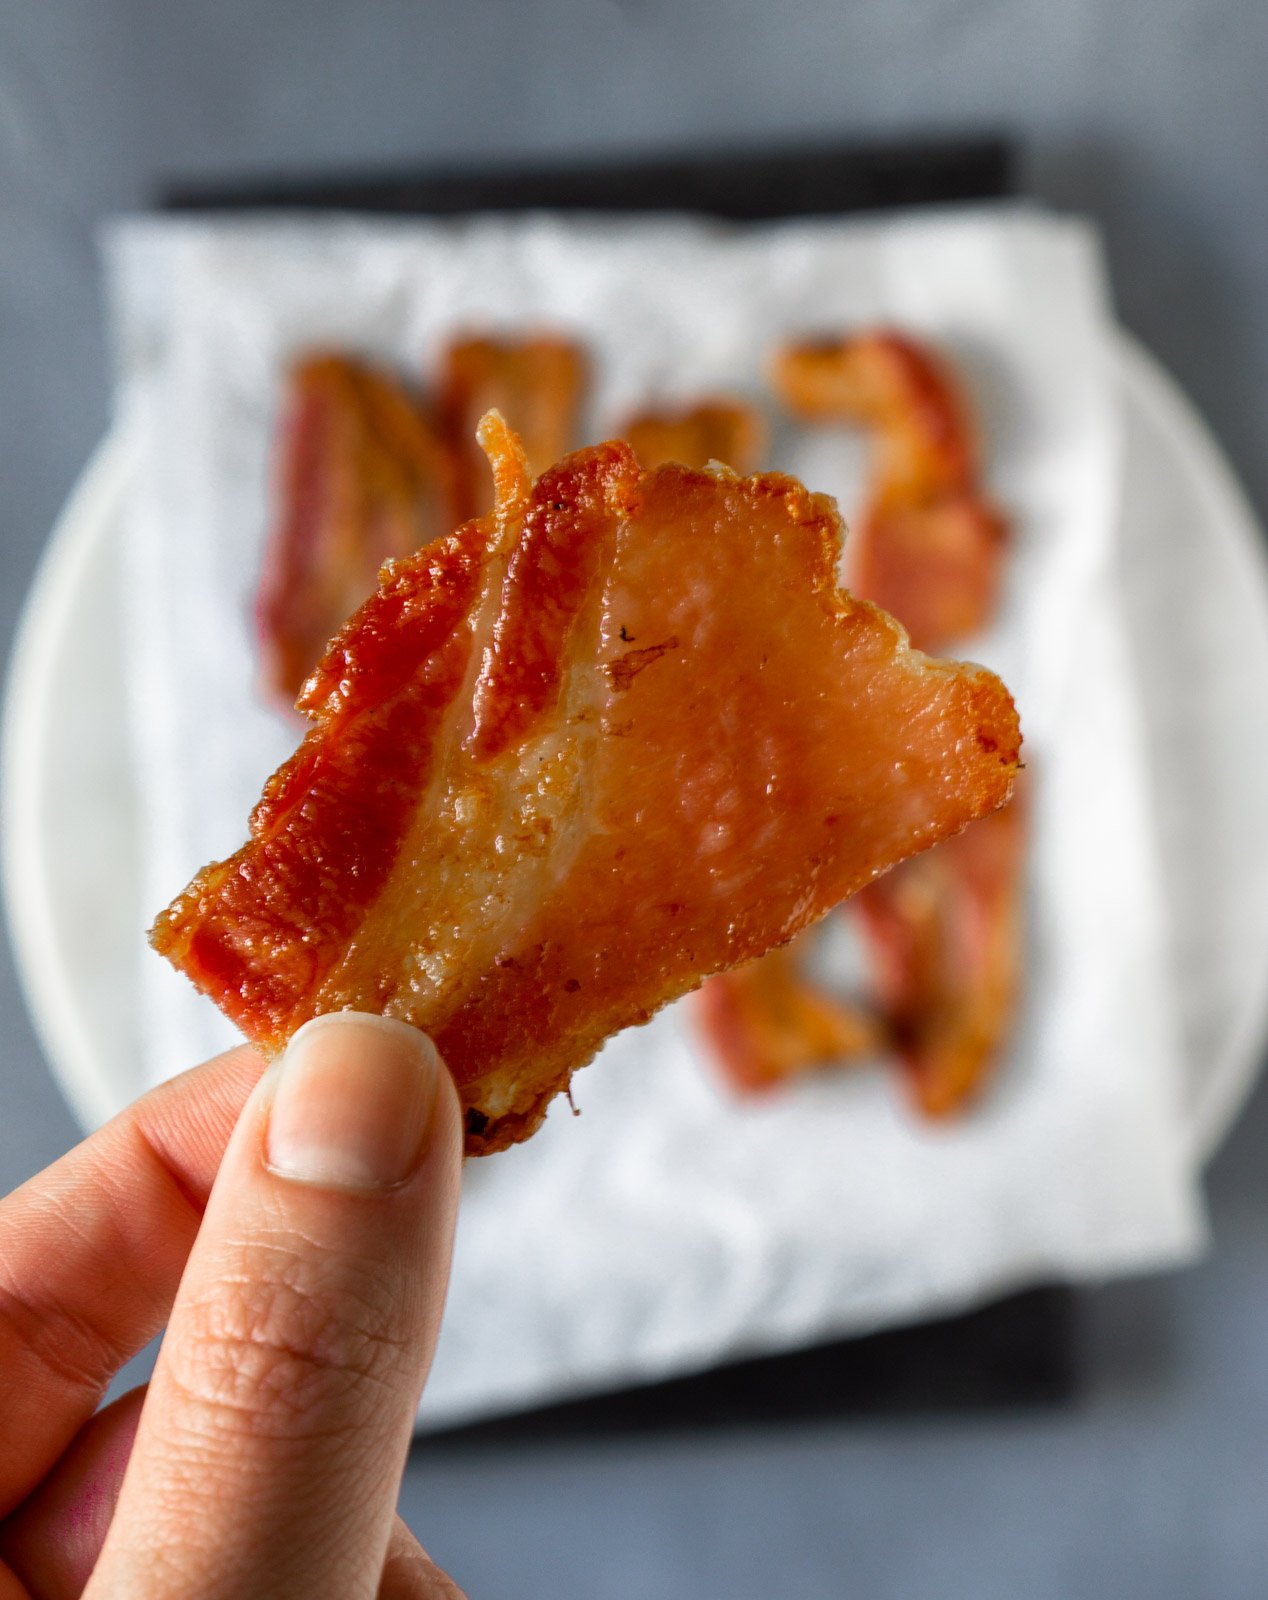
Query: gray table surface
[1151,116]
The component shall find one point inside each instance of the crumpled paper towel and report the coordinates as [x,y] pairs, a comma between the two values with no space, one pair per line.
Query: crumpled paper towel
[671,1227]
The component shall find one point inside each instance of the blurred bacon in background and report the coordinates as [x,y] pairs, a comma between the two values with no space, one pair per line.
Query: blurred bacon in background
[370,469]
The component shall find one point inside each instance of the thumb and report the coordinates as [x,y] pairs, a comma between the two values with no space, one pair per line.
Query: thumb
[270,1449]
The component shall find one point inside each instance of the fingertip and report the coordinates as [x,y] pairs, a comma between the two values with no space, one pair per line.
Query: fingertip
[361,1027]
[353,1103]
[369,1029]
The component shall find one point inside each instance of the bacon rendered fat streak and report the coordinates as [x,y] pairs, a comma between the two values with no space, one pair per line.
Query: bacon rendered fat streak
[622,733]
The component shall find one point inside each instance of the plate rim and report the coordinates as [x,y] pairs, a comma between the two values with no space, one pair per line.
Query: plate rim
[82,527]
[1229,1081]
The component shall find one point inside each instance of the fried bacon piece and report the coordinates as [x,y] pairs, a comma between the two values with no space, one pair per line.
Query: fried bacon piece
[944,934]
[362,479]
[766,1023]
[622,733]
[929,545]
[714,430]
[536,383]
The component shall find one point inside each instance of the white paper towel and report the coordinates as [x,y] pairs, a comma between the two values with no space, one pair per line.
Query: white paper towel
[669,1227]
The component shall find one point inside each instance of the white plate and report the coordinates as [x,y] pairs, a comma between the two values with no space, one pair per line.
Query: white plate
[1191,551]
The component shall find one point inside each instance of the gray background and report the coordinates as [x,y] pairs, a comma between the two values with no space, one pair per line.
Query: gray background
[1151,115]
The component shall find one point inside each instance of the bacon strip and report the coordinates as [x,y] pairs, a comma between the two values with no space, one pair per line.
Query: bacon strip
[766,1023]
[490,834]
[944,933]
[536,383]
[713,430]
[362,478]
[929,545]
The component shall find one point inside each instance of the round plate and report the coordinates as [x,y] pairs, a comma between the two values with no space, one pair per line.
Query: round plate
[1195,584]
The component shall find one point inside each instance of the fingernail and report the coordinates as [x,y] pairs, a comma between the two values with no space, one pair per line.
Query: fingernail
[353,1102]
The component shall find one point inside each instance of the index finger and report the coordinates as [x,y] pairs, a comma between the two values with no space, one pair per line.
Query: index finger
[91,1253]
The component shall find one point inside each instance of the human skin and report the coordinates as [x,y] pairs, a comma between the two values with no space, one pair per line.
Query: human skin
[292,1232]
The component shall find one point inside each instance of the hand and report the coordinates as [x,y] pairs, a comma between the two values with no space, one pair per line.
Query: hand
[302,1307]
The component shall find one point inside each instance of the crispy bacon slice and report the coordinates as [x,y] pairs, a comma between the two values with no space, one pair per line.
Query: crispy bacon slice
[765,1022]
[929,545]
[536,383]
[362,478]
[713,430]
[945,937]
[621,734]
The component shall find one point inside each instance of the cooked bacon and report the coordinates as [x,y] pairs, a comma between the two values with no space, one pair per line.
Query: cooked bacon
[537,384]
[944,933]
[493,834]
[362,479]
[937,566]
[765,1022]
[713,430]
[929,545]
